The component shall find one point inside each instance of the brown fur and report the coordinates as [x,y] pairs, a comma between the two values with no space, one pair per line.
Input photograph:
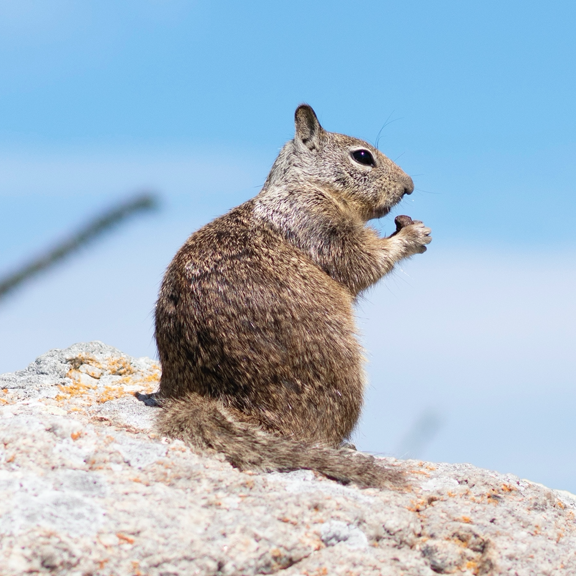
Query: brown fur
[254,322]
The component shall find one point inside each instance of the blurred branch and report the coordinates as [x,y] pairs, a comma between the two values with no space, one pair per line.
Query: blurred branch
[85,235]
[419,435]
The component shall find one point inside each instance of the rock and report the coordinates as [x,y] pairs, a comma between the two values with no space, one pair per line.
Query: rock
[87,487]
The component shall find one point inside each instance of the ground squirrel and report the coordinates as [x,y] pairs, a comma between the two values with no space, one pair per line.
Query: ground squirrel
[254,321]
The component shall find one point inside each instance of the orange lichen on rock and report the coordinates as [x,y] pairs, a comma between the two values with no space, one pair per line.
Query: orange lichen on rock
[97,382]
[119,367]
[125,538]
[112,393]
[417,505]
[420,472]
[77,388]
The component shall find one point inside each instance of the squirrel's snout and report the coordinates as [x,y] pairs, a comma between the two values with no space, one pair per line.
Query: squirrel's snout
[408,185]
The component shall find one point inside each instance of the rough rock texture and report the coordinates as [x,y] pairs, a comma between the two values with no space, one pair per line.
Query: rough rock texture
[88,488]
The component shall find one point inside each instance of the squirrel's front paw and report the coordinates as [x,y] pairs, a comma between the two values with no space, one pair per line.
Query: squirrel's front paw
[413,233]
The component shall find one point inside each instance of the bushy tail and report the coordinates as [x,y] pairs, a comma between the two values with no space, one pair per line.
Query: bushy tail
[203,423]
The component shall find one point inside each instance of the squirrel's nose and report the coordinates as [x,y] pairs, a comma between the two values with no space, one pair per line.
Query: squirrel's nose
[408,185]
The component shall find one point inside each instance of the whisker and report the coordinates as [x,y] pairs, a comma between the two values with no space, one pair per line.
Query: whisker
[426,191]
[388,121]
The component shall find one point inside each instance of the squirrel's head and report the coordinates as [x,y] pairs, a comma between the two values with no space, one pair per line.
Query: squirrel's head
[352,170]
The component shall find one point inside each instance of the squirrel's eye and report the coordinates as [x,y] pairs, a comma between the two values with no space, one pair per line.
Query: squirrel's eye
[363,157]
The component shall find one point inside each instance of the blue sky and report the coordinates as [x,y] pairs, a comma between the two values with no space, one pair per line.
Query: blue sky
[475,100]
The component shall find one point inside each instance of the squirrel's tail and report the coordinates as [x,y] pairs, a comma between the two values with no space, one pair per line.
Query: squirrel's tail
[203,423]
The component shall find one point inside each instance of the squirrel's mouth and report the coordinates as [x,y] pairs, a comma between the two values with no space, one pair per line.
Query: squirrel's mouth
[381,211]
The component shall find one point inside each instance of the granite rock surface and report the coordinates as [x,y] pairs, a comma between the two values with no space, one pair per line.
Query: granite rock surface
[88,488]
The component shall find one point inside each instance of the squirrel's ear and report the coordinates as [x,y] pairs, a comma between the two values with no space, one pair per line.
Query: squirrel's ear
[308,129]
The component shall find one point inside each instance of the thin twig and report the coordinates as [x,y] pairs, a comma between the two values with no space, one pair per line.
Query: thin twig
[85,235]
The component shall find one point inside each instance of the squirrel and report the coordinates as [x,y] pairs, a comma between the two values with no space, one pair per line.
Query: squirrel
[254,321]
